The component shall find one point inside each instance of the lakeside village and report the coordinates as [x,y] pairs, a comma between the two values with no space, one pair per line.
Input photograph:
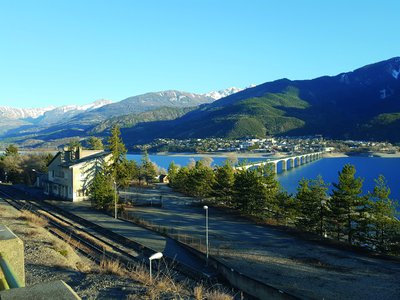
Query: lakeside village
[268,146]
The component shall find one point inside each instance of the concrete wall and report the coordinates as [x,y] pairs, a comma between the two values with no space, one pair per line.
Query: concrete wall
[248,285]
[12,250]
[50,290]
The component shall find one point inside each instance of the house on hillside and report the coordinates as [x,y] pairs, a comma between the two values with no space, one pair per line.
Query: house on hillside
[71,171]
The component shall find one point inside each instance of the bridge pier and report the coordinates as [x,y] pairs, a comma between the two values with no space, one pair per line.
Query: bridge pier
[287,162]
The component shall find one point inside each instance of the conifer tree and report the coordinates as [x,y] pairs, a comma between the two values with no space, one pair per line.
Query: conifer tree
[312,204]
[346,197]
[101,191]
[148,170]
[95,143]
[200,180]
[223,186]
[250,192]
[272,188]
[383,223]
[118,151]
[172,172]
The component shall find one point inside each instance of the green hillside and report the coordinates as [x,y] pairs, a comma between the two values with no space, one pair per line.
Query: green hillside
[164,113]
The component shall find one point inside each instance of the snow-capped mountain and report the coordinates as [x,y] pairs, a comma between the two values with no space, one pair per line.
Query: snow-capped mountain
[76,120]
[80,108]
[23,113]
[216,95]
[223,93]
[34,113]
[68,111]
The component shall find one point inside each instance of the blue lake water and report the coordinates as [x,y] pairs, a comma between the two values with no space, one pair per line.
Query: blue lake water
[163,161]
[368,168]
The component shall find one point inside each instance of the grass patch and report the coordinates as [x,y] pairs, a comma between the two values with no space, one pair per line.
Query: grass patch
[33,218]
[200,293]
[112,267]
[60,247]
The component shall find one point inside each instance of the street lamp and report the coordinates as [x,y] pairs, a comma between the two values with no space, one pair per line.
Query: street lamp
[157,255]
[206,209]
[115,200]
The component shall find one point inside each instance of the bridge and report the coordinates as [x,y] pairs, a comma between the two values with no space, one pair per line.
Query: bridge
[288,162]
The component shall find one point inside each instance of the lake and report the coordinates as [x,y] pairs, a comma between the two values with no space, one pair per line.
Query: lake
[368,168]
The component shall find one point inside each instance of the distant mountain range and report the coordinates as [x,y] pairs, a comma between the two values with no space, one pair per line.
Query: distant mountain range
[35,126]
[362,104]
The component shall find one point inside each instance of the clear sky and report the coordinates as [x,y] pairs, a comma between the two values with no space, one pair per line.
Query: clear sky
[75,52]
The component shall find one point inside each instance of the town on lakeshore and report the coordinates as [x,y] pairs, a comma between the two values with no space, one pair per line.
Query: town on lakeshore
[268,146]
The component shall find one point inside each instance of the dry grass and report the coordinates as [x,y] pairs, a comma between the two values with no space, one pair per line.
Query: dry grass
[32,218]
[162,283]
[61,247]
[84,267]
[112,267]
[31,233]
[81,233]
[140,273]
[218,295]
[198,292]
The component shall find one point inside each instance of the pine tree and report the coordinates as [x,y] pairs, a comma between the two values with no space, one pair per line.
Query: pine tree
[312,204]
[101,191]
[11,150]
[287,208]
[344,201]
[383,224]
[148,170]
[272,189]
[172,172]
[95,143]
[223,186]
[200,180]
[250,192]
[118,160]
[181,180]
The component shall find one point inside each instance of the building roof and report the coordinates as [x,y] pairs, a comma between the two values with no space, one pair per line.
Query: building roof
[85,159]
[68,159]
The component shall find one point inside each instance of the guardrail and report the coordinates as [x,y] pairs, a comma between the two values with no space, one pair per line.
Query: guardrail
[10,280]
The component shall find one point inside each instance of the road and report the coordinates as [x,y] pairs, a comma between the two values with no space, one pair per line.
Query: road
[303,268]
[143,236]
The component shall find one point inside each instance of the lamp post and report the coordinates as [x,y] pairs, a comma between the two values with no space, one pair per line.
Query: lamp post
[157,255]
[206,209]
[115,200]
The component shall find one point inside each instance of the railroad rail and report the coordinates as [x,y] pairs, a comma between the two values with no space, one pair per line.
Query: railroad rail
[93,247]
[115,246]
[94,241]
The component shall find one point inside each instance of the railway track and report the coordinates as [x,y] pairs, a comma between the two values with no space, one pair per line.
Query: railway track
[92,246]
[92,240]
[99,243]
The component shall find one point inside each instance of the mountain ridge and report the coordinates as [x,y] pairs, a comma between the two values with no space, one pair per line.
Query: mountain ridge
[340,106]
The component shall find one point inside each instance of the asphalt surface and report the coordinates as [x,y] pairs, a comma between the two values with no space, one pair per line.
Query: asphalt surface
[303,268]
[143,236]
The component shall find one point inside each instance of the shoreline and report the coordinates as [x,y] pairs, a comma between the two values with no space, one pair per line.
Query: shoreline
[265,155]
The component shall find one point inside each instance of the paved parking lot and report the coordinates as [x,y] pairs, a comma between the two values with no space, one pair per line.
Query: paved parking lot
[301,267]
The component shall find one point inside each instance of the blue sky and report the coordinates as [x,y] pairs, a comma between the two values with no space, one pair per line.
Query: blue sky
[75,52]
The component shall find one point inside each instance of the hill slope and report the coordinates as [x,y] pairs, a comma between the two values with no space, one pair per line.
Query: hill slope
[359,104]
